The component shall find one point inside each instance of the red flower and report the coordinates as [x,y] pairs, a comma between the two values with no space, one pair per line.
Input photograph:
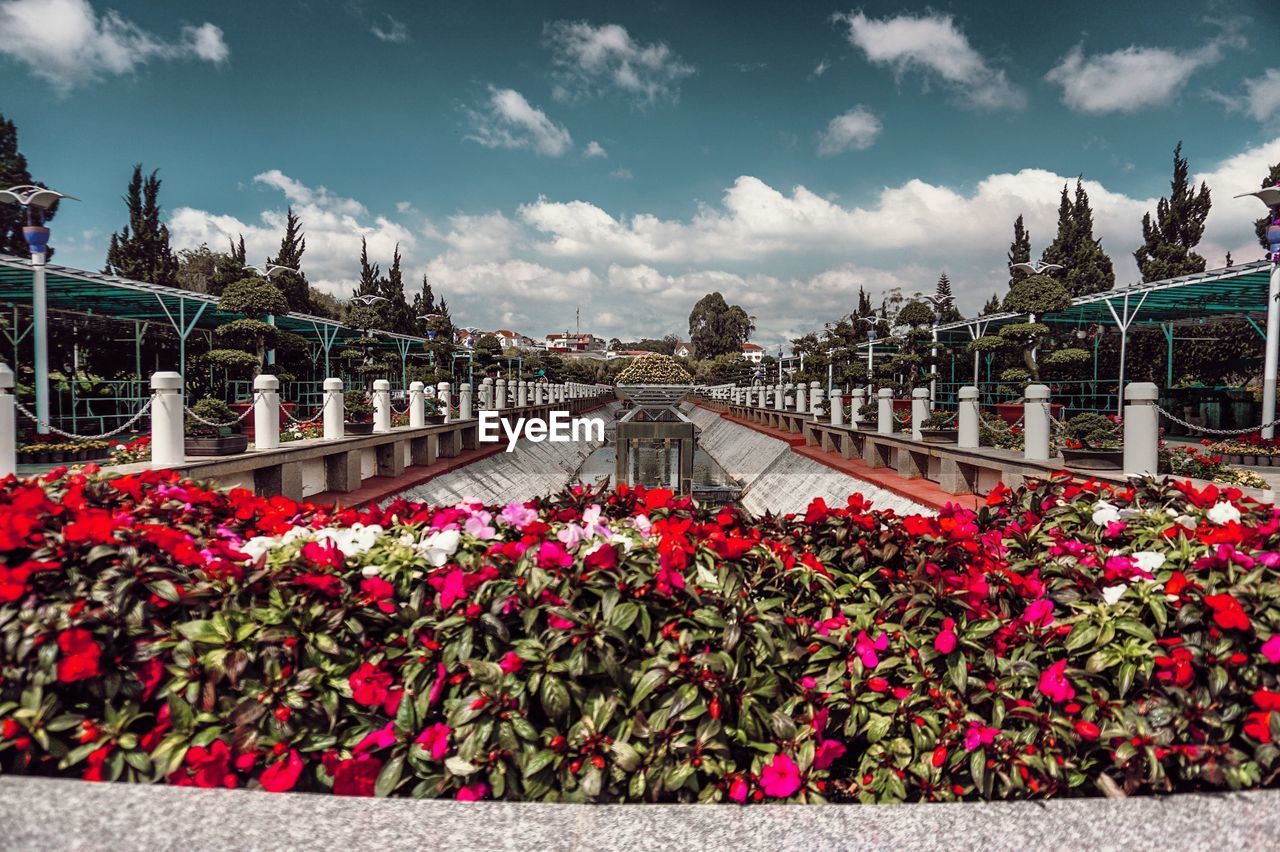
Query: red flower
[510,662]
[1054,683]
[206,767]
[1227,612]
[80,655]
[356,777]
[92,526]
[379,592]
[369,685]
[780,778]
[282,776]
[95,763]
[1258,726]
[945,641]
[828,752]
[1176,668]
[1087,730]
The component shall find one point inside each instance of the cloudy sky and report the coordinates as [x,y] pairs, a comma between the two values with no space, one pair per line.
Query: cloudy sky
[624,159]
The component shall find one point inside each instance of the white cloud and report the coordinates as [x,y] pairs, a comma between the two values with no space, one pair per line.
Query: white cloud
[594,149]
[300,194]
[591,60]
[855,130]
[507,120]
[391,30]
[821,68]
[621,174]
[1261,98]
[1130,79]
[68,44]
[1230,223]
[932,43]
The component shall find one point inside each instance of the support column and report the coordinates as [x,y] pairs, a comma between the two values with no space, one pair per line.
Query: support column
[443,396]
[815,399]
[1141,429]
[837,408]
[884,412]
[167,436]
[1272,352]
[855,406]
[802,404]
[464,401]
[967,419]
[500,394]
[381,405]
[266,413]
[1035,423]
[779,397]
[40,335]
[522,393]
[486,394]
[334,409]
[417,405]
[919,411]
[8,428]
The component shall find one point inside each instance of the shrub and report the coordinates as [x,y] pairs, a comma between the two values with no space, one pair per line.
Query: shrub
[1094,431]
[214,411]
[357,407]
[655,370]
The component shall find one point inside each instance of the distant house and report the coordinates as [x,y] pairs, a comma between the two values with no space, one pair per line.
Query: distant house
[507,338]
[683,350]
[568,343]
[753,352]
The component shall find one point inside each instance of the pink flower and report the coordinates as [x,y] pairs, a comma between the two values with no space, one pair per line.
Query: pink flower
[945,641]
[1039,612]
[454,589]
[478,525]
[435,739]
[558,622]
[829,751]
[437,688]
[518,515]
[807,682]
[780,778]
[819,721]
[738,791]
[473,792]
[1271,649]
[510,663]
[866,649]
[979,735]
[1054,683]
[375,740]
[551,555]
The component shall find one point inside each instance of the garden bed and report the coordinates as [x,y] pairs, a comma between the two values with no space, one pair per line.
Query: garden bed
[1061,641]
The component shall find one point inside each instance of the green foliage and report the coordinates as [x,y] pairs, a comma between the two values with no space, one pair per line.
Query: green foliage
[357,407]
[915,314]
[292,285]
[237,363]
[14,172]
[723,369]
[717,328]
[986,343]
[254,297]
[1096,431]
[215,411]
[1037,294]
[1086,267]
[1168,240]
[1019,252]
[657,369]
[140,251]
[1067,358]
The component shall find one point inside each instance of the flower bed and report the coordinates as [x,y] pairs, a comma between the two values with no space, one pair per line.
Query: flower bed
[629,647]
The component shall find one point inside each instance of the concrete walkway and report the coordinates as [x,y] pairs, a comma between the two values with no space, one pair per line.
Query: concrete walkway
[39,814]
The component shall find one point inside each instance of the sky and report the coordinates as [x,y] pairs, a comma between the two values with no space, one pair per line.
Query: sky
[623,159]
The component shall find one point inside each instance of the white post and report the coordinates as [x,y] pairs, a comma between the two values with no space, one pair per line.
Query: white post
[8,428]
[381,405]
[779,397]
[500,394]
[486,394]
[167,436]
[884,412]
[1141,429]
[1272,353]
[837,407]
[815,399]
[855,405]
[418,405]
[522,393]
[444,397]
[919,411]
[967,418]
[801,402]
[334,409]
[464,401]
[40,335]
[1035,423]
[266,413]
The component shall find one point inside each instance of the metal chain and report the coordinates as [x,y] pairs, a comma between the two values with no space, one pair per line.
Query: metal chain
[55,430]
[313,418]
[945,421]
[1207,431]
[196,417]
[1002,427]
[404,410]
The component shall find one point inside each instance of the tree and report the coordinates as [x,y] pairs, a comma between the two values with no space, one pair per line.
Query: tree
[292,284]
[1272,179]
[945,301]
[1168,240]
[13,172]
[369,273]
[992,306]
[1035,295]
[395,310]
[141,251]
[1020,248]
[718,328]
[1086,267]
[256,298]
[229,268]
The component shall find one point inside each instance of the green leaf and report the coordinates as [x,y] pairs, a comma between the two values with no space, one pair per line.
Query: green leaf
[957,668]
[458,766]
[651,680]
[202,631]
[555,698]
[389,777]
[538,762]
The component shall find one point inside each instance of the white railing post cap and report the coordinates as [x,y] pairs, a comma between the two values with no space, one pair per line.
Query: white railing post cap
[885,393]
[1141,392]
[416,386]
[333,384]
[266,383]
[381,385]
[968,392]
[166,381]
[1039,393]
[919,393]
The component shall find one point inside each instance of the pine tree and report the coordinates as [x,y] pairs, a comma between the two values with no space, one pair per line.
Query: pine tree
[946,301]
[13,172]
[1167,242]
[1020,248]
[1086,267]
[992,306]
[1272,179]
[293,285]
[229,267]
[395,310]
[140,251]
[369,273]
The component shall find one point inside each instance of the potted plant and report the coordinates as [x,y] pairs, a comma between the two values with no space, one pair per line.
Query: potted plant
[357,414]
[205,440]
[1093,443]
[939,428]
[868,414]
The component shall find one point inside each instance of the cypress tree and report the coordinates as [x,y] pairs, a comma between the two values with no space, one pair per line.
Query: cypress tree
[395,311]
[1272,179]
[229,267]
[946,301]
[293,285]
[141,251]
[1086,267]
[1020,248]
[369,273]
[992,306]
[1168,240]
[14,172]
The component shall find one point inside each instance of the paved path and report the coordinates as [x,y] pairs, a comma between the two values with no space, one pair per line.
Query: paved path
[39,814]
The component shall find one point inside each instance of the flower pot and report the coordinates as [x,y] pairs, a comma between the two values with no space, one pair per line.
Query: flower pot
[1233,458]
[42,457]
[1090,459]
[57,456]
[358,428]
[223,445]
[940,436]
[1011,412]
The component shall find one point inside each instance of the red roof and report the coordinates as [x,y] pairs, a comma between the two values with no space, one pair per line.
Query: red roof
[750,347]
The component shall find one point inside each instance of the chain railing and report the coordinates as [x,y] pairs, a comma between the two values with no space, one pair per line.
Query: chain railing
[1223,433]
[196,417]
[328,395]
[59,432]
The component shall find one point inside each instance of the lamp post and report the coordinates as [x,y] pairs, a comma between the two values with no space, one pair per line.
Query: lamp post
[937,305]
[35,200]
[1270,196]
[872,324]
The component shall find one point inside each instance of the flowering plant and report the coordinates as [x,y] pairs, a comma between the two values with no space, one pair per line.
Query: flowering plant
[632,646]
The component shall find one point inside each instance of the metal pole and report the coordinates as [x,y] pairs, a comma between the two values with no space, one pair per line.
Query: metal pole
[40,310]
[933,367]
[1273,351]
[1124,338]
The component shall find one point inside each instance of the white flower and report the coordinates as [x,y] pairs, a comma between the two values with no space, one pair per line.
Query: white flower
[439,546]
[1104,513]
[258,545]
[1111,594]
[1223,513]
[1149,560]
[371,570]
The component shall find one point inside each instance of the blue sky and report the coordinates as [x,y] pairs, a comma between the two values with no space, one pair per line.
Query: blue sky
[533,158]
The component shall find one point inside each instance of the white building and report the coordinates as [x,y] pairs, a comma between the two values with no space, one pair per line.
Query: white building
[753,352]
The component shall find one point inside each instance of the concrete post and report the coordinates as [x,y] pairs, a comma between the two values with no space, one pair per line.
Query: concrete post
[779,397]
[837,408]
[815,399]
[884,412]
[418,405]
[802,404]
[522,393]
[444,397]
[500,394]
[167,435]
[464,401]
[381,405]
[8,427]
[486,394]
[1035,423]
[334,409]
[1141,429]
[967,418]
[919,411]
[266,413]
[855,407]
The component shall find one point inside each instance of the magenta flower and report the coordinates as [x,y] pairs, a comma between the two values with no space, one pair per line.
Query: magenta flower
[454,589]
[1054,683]
[473,792]
[518,515]
[979,735]
[437,688]
[510,663]
[435,739]
[829,751]
[552,555]
[866,649]
[819,721]
[1271,649]
[945,641]
[1039,612]
[375,740]
[738,791]
[780,778]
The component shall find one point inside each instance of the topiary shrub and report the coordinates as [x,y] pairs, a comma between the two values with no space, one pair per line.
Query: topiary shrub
[654,370]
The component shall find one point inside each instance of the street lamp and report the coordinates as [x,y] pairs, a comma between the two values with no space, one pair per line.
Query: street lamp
[266,271]
[1035,267]
[35,200]
[938,304]
[1270,196]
